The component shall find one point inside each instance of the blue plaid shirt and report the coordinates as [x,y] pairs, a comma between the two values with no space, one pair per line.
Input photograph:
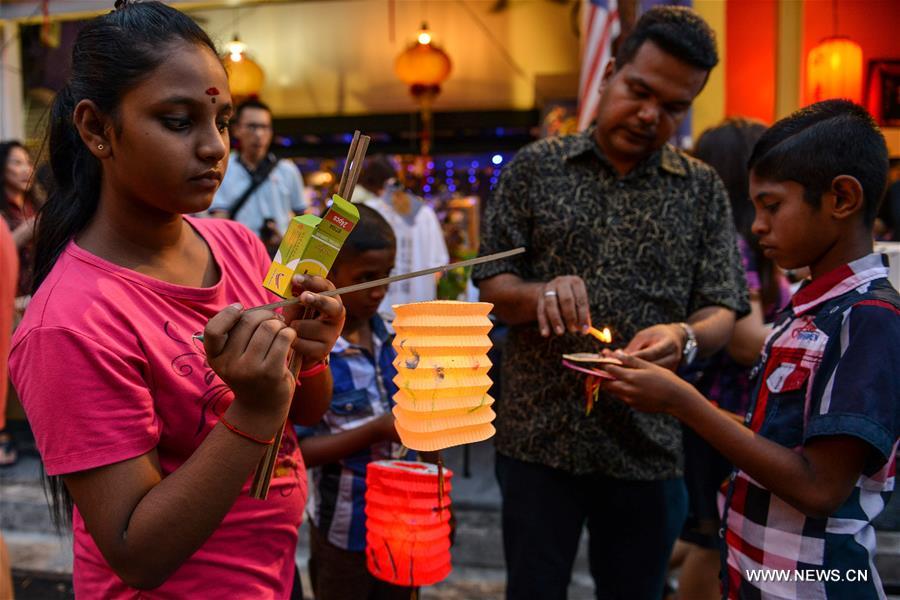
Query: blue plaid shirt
[829,368]
[363,390]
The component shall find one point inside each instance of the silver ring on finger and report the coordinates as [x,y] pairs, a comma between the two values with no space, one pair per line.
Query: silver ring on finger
[550,293]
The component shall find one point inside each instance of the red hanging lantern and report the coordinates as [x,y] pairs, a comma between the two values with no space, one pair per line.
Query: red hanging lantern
[245,77]
[834,70]
[407,522]
[423,66]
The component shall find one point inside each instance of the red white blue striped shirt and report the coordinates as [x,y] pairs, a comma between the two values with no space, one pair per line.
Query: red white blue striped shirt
[363,391]
[830,367]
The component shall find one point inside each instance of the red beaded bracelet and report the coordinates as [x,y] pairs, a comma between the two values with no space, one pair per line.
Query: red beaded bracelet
[314,370]
[245,434]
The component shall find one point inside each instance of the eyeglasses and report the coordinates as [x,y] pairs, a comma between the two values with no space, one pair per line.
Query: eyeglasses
[257,127]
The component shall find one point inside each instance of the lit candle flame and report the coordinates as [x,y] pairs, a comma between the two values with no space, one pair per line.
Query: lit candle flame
[604,336]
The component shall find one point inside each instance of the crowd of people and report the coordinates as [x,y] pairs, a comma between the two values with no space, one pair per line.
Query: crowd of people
[743,428]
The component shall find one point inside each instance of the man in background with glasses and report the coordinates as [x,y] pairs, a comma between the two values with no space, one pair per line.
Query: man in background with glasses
[258,190]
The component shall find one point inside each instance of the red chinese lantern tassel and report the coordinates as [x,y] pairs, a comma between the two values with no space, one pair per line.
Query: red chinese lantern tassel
[440,466]
[591,392]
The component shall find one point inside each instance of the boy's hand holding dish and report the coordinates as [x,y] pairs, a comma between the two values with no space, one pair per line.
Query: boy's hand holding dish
[646,386]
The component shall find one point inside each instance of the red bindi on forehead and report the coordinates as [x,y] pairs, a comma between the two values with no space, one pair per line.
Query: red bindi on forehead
[213,91]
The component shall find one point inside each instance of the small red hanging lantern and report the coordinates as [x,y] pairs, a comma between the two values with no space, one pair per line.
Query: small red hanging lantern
[407,522]
[834,70]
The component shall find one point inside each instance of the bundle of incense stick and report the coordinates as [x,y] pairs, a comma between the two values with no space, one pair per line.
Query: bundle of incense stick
[349,176]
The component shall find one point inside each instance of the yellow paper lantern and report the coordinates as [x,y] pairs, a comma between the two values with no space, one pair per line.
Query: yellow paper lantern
[834,70]
[442,374]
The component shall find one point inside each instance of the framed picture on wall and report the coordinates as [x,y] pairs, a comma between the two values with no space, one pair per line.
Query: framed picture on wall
[883,91]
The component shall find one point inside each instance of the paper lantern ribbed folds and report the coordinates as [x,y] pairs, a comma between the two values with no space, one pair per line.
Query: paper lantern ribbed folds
[407,522]
[442,374]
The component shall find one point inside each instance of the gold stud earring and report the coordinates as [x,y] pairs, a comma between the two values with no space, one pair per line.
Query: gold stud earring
[99,146]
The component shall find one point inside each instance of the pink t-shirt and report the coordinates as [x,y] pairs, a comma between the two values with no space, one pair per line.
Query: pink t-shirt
[107,370]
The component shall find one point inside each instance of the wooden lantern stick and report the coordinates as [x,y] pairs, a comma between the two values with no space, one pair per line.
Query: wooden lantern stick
[388,280]
[440,466]
[259,489]
[393,278]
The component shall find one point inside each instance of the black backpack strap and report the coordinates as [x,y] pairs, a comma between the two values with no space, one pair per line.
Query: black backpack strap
[257,177]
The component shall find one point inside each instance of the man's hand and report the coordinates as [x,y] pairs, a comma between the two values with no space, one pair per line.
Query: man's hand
[659,344]
[562,305]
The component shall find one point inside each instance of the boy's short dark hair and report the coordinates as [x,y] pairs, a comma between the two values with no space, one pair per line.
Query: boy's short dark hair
[678,30]
[371,233]
[376,172]
[817,143]
[250,103]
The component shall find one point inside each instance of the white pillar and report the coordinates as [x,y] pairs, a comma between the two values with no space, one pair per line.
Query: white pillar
[12,114]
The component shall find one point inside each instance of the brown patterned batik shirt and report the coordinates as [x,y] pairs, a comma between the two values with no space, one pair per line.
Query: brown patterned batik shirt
[652,247]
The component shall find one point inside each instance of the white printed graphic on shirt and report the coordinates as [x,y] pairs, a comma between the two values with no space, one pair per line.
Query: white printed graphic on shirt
[775,381]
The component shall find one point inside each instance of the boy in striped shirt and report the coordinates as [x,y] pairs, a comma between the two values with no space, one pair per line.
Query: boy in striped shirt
[815,463]
[358,427]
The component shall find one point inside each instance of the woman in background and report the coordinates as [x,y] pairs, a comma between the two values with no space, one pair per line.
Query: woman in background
[17,208]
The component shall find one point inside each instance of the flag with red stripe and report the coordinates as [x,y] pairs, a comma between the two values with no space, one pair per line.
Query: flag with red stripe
[599,26]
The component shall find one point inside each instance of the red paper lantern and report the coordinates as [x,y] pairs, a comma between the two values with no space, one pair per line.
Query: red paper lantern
[423,64]
[834,70]
[407,522]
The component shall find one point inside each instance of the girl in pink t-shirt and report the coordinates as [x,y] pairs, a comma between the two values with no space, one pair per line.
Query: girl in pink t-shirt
[153,435]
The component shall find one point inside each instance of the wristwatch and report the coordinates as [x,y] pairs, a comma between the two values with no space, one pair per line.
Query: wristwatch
[689,352]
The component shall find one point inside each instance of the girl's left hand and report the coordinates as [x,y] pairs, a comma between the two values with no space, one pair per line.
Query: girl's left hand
[645,386]
[315,335]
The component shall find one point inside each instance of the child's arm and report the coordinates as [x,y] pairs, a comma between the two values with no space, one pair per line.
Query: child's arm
[311,399]
[816,480]
[324,449]
[146,524]
[315,338]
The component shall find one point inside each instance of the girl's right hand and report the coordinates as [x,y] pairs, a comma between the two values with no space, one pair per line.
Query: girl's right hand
[248,350]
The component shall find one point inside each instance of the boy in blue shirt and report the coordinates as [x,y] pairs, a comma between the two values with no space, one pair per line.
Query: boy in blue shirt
[358,427]
[815,462]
